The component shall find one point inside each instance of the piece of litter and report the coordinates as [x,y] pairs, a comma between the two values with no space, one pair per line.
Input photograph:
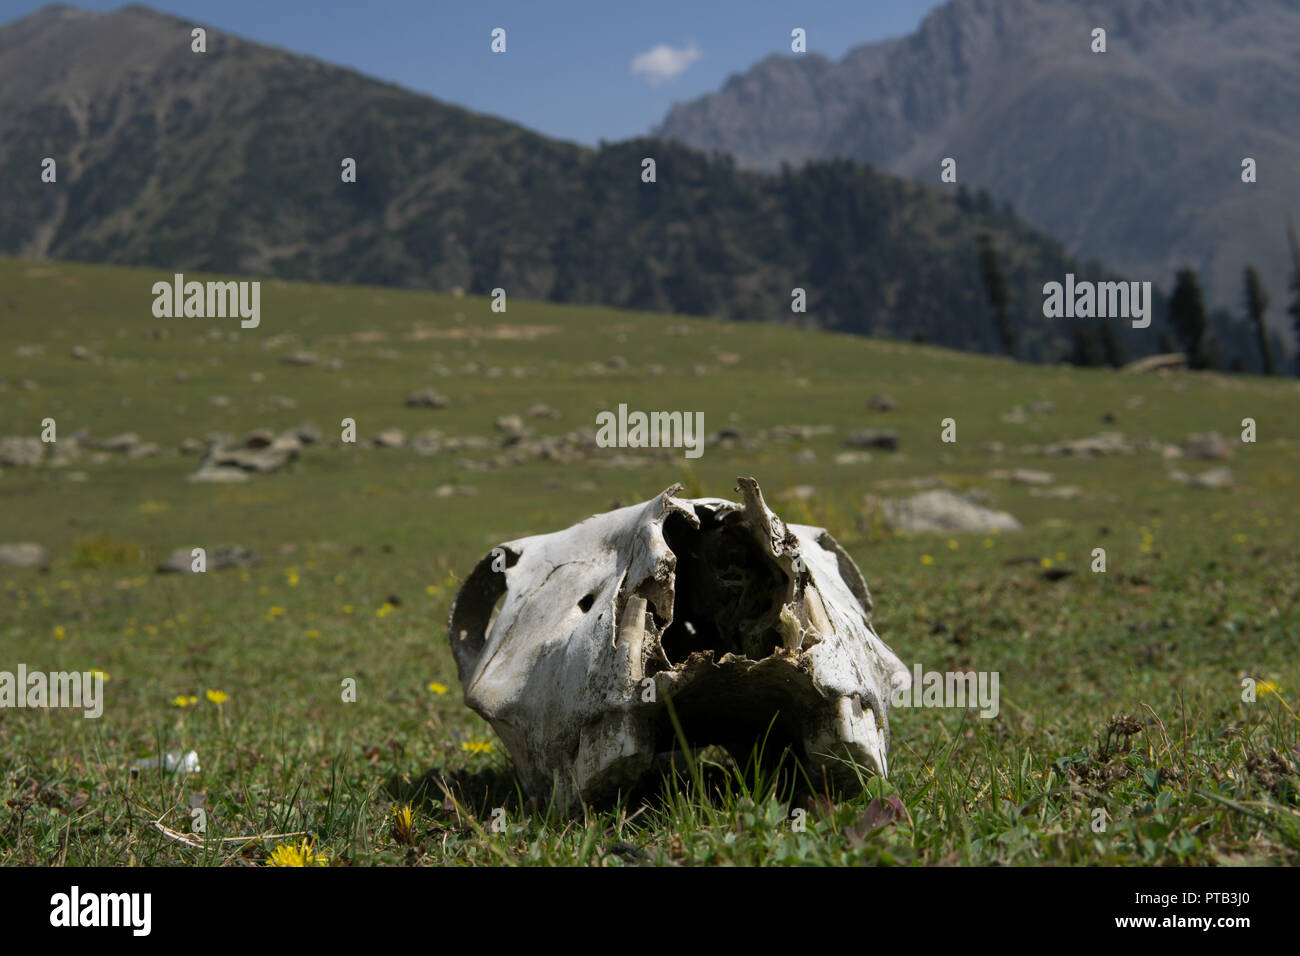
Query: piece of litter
[173,763]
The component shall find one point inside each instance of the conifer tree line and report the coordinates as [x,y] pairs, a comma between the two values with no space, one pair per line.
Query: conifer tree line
[1189,326]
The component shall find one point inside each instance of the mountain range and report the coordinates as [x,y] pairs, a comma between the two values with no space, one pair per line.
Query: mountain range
[229,161]
[1130,156]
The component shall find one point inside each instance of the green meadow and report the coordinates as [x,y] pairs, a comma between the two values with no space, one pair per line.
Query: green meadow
[1121,692]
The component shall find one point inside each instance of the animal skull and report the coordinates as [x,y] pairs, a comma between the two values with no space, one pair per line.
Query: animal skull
[752,628]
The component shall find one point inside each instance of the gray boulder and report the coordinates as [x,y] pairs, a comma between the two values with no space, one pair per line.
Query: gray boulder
[23,555]
[942,510]
[883,438]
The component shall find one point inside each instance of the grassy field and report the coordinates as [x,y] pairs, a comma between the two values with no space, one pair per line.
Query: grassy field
[1120,691]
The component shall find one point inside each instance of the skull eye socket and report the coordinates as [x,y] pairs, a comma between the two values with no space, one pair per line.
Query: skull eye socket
[586,603]
[476,606]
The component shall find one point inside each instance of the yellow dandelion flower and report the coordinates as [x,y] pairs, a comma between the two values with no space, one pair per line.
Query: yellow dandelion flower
[347,609]
[217,697]
[403,823]
[182,701]
[927,559]
[151,628]
[302,853]
[988,542]
[431,589]
[274,612]
[1239,538]
[102,675]
[477,746]
[1060,556]
[313,633]
[437,688]
[384,610]
[59,632]
[952,545]
[1045,562]
[1268,687]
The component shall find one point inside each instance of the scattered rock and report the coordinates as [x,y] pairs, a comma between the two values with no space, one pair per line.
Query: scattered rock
[542,410]
[1214,478]
[300,358]
[873,438]
[425,398]
[307,433]
[121,444]
[1016,416]
[22,452]
[1209,445]
[512,425]
[220,474]
[882,403]
[1063,493]
[181,561]
[389,438]
[447,491]
[1028,476]
[853,458]
[941,510]
[1106,443]
[1169,362]
[23,555]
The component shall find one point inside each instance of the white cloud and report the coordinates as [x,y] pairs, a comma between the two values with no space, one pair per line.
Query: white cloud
[663,63]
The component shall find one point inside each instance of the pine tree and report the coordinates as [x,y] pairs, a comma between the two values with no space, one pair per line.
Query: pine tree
[1294,307]
[995,287]
[1111,346]
[1188,317]
[1256,306]
[1084,348]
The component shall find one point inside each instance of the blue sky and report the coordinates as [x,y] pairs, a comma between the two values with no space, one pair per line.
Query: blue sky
[568,68]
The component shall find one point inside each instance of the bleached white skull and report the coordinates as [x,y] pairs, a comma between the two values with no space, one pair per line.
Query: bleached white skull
[755,630]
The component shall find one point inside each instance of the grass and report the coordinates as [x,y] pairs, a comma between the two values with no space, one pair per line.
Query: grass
[1120,692]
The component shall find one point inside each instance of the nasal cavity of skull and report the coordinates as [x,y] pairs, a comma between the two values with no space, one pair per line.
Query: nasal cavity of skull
[727,593]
